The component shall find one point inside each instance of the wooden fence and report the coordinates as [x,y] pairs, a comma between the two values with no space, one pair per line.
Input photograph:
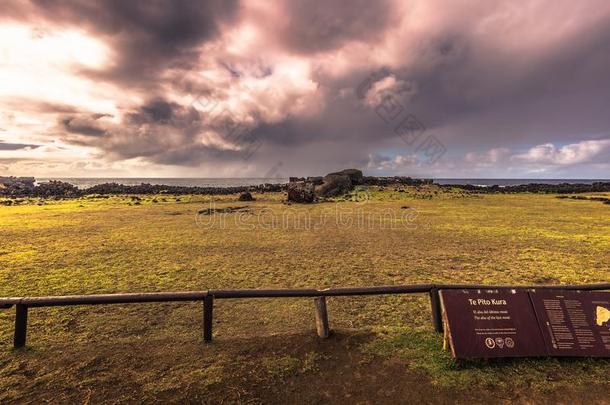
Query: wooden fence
[22,304]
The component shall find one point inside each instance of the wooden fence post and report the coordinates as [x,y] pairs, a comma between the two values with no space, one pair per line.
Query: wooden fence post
[208,309]
[321,317]
[21,325]
[435,303]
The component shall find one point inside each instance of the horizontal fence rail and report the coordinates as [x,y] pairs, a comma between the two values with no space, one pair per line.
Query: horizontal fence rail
[207,297]
[106,299]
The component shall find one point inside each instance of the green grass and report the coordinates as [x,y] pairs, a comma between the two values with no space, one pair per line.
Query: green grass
[107,245]
[423,351]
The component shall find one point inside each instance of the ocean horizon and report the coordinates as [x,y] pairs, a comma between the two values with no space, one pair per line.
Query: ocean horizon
[84,182]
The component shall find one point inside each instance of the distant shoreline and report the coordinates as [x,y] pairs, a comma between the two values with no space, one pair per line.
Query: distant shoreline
[85,182]
[17,187]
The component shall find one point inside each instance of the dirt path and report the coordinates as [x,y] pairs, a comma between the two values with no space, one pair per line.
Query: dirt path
[293,369]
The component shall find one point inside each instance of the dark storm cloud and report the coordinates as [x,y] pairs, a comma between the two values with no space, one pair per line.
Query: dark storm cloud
[473,97]
[343,120]
[159,131]
[16,146]
[148,36]
[479,76]
[86,125]
[487,99]
[158,111]
[481,97]
[314,26]
[557,82]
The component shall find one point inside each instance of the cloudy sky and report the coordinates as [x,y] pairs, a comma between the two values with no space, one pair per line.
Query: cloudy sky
[221,88]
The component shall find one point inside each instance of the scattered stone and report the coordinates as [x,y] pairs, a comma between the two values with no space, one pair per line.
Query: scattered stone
[331,185]
[340,183]
[246,197]
[147,189]
[317,180]
[54,188]
[354,175]
[301,192]
[334,185]
[16,186]
[226,210]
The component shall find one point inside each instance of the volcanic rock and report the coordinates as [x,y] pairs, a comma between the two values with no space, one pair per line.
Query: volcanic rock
[333,185]
[246,197]
[354,175]
[301,192]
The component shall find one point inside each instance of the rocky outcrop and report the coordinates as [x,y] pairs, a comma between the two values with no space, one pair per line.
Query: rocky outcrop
[316,180]
[25,187]
[339,183]
[56,189]
[301,192]
[144,188]
[65,190]
[354,175]
[246,197]
[16,186]
[334,184]
[342,182]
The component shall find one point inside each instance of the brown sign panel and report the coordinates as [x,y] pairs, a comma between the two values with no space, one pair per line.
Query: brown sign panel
[574,323]
[491,323]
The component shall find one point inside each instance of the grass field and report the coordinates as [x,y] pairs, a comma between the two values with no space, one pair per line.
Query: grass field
[265,350]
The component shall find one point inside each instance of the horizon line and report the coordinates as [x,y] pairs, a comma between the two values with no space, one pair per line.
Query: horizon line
[256,177]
